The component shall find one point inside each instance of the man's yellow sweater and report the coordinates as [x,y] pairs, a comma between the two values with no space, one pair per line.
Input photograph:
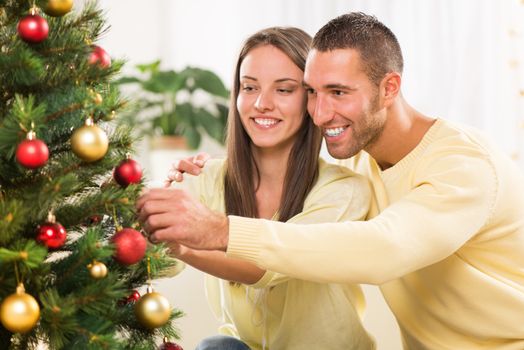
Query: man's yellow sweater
[447,248]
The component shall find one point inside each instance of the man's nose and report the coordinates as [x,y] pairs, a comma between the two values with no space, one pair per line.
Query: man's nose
[320,110]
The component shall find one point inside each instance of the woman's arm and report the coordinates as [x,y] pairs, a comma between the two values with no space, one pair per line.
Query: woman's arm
[217,264]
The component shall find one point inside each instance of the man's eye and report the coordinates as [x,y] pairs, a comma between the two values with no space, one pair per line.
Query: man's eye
[338,92]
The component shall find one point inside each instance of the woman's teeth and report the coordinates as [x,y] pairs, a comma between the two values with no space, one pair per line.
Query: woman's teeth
[265,122]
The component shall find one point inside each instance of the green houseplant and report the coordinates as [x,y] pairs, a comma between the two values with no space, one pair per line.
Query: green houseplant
[188,103]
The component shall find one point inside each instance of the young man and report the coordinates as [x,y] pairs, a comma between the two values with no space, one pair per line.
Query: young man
[446,244]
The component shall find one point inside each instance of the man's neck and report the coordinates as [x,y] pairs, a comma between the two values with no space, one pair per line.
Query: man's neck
[404,129]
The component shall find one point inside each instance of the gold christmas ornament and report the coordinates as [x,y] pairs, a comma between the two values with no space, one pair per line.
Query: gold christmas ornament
[89,142]
[97,270]
[19,312]
[58,8]
[152,310]
[97,98]
[110,116]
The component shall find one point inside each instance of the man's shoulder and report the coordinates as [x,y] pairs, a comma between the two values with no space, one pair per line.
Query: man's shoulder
[461,138]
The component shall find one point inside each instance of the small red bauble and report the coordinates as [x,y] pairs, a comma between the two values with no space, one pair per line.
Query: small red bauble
[170,346]
[127,172]
[130,299]
[130,246]
[33,28]
[52,235]
[94,219]
[134,296]
[99,56]
[32,153]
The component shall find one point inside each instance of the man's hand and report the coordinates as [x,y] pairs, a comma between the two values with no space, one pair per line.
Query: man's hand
[172,215]
[190,165]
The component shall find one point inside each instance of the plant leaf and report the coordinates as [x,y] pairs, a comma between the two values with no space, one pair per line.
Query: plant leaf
[193,137]
[196,78]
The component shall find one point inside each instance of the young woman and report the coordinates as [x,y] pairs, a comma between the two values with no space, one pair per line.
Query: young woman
[273,171]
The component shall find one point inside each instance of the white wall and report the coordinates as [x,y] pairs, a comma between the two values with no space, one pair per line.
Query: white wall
[460,64]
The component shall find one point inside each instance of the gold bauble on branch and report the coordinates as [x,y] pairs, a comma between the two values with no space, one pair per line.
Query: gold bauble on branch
[152,310]
[19,312]
[89,142]
[58,8]
[97,270]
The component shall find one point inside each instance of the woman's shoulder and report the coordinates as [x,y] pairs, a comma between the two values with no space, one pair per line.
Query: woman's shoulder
[329,172]
[214,165]
[213,173]
[339,194]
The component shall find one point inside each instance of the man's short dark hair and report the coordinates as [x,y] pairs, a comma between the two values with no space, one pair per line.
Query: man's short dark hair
[378,47]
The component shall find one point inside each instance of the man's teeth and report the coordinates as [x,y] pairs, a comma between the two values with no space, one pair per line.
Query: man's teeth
[265,122]
[334,131]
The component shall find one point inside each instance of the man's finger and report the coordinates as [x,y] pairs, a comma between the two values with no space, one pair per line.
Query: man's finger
[164,235]
[158,194]
[157,222]
[152,207]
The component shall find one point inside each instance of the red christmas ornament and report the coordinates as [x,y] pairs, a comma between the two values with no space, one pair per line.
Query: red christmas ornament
[51,234]
[132,298]
[93,220]
[99,56]
[33,28]
[127,172]
[130,246]
[32,153]
[169,346]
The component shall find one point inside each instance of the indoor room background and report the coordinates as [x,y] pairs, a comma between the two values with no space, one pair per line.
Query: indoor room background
[463,61]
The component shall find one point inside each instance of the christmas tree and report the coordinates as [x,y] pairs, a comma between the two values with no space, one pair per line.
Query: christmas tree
[71,253]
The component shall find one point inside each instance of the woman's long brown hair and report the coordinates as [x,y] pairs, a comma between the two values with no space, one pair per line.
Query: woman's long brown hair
[242,174]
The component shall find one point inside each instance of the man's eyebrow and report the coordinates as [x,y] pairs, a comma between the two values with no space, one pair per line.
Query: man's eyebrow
[331,86]
[338,87]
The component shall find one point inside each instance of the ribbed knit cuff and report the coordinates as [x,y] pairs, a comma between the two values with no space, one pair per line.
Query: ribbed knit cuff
[264,281]
[244,238]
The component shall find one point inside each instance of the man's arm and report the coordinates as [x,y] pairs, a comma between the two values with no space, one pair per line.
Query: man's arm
[448,205]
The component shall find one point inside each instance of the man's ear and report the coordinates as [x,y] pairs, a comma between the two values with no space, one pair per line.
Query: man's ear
[390,88]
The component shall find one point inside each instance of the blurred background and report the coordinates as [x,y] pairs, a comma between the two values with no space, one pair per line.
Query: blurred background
[463,62]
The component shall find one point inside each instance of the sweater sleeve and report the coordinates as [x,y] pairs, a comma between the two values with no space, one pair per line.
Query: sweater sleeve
[340,195]
[445,204]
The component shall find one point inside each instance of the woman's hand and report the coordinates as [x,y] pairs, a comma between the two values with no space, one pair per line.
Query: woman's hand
[190,165]
[177,250]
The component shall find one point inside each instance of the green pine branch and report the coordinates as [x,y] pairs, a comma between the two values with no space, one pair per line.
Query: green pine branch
[51,88]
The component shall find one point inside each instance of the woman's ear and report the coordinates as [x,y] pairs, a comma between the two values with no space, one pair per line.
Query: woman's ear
[390,88]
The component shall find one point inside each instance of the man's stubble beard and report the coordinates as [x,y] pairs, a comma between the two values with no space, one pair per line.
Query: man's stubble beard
[365,135]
